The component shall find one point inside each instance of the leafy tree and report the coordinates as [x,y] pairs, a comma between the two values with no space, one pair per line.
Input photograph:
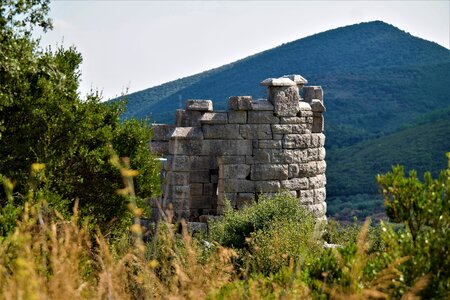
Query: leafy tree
[424,209]
[44,120]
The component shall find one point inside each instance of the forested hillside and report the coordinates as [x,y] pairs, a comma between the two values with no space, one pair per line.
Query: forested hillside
[419,146]
[377,80]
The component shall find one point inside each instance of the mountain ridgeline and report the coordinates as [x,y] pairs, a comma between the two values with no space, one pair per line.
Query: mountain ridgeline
[387,95]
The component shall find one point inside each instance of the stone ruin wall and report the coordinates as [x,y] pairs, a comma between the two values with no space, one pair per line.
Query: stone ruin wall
[256,146]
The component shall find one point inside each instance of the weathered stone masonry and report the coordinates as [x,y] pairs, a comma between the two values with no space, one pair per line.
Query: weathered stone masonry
[256,146]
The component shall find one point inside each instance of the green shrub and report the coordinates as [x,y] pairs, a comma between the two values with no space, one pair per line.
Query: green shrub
[424,209]
[270,233]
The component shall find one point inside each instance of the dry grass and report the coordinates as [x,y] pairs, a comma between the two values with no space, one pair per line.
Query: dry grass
[51,258]
[58,261]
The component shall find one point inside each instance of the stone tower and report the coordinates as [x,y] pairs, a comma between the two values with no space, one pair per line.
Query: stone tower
[256,146]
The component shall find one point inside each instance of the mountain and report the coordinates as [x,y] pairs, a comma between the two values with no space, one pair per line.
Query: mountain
[377,80]
[421,145]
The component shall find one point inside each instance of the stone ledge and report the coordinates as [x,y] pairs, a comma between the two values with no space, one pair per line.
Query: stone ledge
[277,82]
[199,105]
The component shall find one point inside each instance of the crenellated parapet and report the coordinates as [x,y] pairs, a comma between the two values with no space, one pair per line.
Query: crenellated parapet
[255,146]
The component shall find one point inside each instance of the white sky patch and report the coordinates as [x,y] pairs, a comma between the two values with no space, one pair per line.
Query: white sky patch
[139,44]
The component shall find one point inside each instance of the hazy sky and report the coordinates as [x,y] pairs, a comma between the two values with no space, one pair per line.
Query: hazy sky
[140,44]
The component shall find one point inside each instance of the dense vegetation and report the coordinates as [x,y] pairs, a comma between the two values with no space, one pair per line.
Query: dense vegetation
[419,146]
[62,178]
[68,140]
[377,81]
[274,249]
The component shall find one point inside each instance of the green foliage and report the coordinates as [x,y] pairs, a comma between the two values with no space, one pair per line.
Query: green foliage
[270,233]
[20,17]
[235,226]
[419,147]
[272,248]
[424,208]
[44,120]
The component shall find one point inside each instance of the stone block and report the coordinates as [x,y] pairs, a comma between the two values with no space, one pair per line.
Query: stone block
[306,196]
[318,209]
[312,92]
[277,136]
[240,103]
[277,82]
[214,118]
[179,191]
[178,163]
[278,156]
[162,132]
[200,162]
[231,160]
[318,181]
[311,169]
[313,154]
[187,133]
[304,169]
[317,140]
[298,155]
[237,117]
[281,128]
[222,197]
[234,171]
[269,172]
[283,156]
[320,195]
[177,178]
[317,125]
[295,184]
[290,120]
[262,117]
[199,176]
[285,99]
[263,156]
[256,131]
[317,106]
[296,141]
[199,105]
[179,205]
[321,167]
[226,147]
[222,132]
[306,201]
[321,154]
[305,113]
[301,128]
[238,186]
[293,170]
[185,147]
[270,186]
[209,189]
[267,144]
[196,189]
[197,202]
[304,106]
[262,105]
[244,199]
[192,118]
[161,148]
